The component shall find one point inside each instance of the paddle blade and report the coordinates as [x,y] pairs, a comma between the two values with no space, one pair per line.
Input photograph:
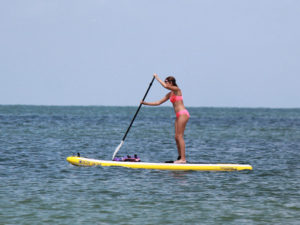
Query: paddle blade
[117,149]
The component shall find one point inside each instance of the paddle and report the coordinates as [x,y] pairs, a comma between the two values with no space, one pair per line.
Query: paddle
[123,139]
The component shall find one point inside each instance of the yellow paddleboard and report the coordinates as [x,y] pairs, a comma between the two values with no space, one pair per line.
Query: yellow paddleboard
[81,161]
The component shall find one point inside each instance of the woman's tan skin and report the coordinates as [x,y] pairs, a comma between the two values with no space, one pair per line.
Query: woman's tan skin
[180,122]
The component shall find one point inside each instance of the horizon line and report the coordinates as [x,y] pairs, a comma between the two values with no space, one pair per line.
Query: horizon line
[73,105]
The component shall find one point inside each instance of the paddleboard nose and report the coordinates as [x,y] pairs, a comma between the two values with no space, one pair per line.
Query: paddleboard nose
[72,159]
[69,158]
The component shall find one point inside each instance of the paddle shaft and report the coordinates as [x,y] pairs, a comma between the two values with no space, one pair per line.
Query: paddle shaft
[123,139]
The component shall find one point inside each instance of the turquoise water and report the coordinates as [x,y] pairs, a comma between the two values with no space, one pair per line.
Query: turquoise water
[38,186]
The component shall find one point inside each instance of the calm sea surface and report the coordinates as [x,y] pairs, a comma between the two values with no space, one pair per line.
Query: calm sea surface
[38,186]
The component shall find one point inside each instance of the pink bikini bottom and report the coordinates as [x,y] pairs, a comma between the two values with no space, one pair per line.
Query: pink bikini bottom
[183,112]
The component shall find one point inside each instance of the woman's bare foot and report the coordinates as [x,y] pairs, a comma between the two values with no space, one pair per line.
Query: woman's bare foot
[180,161]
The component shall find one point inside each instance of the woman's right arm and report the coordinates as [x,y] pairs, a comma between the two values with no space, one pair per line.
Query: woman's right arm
[157,102]
[169,87]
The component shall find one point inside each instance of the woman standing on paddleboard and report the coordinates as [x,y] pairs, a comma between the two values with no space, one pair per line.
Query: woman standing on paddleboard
[182,115]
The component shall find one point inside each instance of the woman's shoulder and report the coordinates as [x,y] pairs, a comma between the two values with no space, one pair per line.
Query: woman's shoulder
[178,92]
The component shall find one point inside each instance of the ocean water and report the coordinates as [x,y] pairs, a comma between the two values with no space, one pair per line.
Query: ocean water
[38,186]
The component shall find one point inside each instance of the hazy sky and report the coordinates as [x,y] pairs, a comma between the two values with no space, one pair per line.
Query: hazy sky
[243,53]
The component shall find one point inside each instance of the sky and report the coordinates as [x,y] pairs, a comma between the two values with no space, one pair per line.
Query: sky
[233,53]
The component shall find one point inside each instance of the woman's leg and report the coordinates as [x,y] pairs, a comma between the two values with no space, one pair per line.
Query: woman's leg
[176,139]
[180,125]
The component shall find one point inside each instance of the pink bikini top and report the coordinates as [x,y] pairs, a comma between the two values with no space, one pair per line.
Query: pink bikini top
[175,98]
